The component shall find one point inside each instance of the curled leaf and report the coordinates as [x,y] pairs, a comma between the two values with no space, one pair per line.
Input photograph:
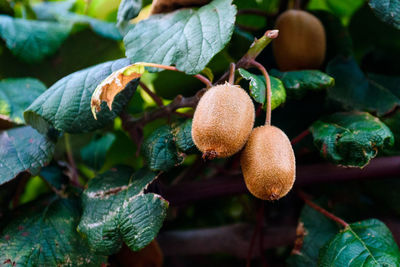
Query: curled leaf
[113,84]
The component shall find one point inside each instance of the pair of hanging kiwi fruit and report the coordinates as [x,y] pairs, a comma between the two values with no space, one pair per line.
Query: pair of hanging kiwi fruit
[223,125]
[224,118]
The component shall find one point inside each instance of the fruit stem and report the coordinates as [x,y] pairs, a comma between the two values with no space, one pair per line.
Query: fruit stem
[155,97]
[268,87]
[232,69]
[200,77]
[74,172]
[307,200]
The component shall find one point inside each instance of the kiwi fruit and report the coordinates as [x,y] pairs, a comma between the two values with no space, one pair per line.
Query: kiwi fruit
[301,43]
[268,163]
[164,6]
[222,121]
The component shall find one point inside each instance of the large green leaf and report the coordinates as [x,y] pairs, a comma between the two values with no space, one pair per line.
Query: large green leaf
[116,209]
[355,91]
[387,10]
[297,83]
[54,176]
[341,8]
[317,230]
[182,133]
[23,149]
[44,234]
[351,139]
[16,95]
[30,40]
[258,92]
[50,10]
[160,151]
[94,153]
[65,106]
[187,38]
[365,243]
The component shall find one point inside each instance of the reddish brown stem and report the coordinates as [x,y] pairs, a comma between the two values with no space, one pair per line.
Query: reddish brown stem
[155,97]
[268,87]
[300,137]
[307,199]
[232,69]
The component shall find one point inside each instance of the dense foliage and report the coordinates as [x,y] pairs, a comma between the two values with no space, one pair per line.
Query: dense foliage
[97,161]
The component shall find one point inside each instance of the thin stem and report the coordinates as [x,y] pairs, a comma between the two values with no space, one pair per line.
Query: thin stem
[155,97]
[74,173]
[268,87]
[297,4]
[200,77]
[257,229]
[307,200]
[232,69]
[300,137]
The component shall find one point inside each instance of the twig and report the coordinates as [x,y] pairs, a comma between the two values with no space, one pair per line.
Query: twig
[300,137]
[155,97]
[257,229]
[231,239]
[268,87]
[232,69]
[74,173]
[307,200]
[186,193]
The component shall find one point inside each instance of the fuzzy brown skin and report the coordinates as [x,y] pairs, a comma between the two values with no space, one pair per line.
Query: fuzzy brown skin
[301,43]
[223,121]
[268,163]
[164,6]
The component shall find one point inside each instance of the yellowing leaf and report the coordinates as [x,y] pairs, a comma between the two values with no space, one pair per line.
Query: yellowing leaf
[113,84]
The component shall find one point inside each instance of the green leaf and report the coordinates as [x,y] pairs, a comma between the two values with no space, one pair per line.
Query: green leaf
[128,9]
[317,231]
[44,234]
[102,28]
[160,151]
[65,106]
[182,133]
[387,11]
[23,149]
[115,209]
[16,95]
[186,38]
[393,122]
[49,10]
[354,91]
[351,139]
[365,243]
[297,83]
[94,153]
[257,89]
[341,8]
[54,176]
[30,40]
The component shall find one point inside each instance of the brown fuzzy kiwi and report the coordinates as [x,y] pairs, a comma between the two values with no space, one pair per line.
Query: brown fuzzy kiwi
[301,43]
[268,163]
[164,6]
[223,121]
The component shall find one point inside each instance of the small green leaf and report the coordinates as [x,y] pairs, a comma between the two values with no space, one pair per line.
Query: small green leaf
[102,28]
[297,83]
[187,38]
[387,11]
[182,133]
[317,230]
[49,10]
[128,9]
[31,40]
[393,122]
[351,139]
[160,151]
[365,243]
[258,92]
[54,176]
[16,95]
[94,153]
[65,106]
[116,210]
[354,91]
[44,234]
[23,149]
